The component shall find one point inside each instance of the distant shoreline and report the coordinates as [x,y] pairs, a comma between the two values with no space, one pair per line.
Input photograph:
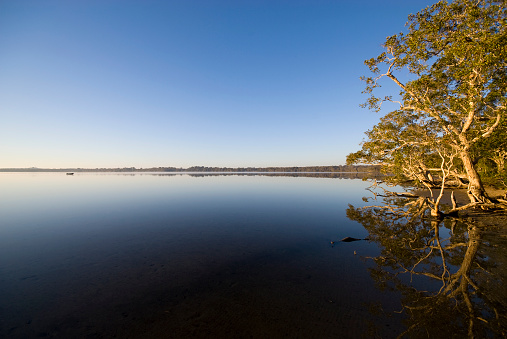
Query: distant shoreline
[202,169]
[300,174]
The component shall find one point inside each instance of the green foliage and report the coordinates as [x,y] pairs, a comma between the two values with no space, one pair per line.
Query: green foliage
[452,111]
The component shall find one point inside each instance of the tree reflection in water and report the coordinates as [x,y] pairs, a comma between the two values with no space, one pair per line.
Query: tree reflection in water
[450,272]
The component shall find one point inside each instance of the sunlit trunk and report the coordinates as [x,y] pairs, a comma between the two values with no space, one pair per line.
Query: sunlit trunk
[476,191]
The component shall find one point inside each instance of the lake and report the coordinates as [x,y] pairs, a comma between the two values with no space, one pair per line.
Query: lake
[153,255]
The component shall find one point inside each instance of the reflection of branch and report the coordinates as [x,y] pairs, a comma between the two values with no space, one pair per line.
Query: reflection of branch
[462,274]
[421,260]
[450,247]
[411,243]
[466,298]
[408,330]
[471,282]
[445,271]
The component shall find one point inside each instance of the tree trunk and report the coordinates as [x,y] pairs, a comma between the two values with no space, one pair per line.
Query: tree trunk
[476,191]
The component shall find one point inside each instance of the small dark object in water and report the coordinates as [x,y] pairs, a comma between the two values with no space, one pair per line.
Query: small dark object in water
[349,239]
[70,173]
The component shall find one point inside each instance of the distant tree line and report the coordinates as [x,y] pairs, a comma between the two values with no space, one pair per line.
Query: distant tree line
[333,175]
[295,169]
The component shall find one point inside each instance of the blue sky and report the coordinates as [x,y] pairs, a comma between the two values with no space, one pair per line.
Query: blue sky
[182,83]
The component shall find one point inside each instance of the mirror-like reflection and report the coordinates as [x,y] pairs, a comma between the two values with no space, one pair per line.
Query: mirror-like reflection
[107,255]
[450,272]
[147,256]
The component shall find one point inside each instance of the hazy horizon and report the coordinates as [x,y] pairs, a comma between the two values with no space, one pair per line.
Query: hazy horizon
[106,84]
[182,168]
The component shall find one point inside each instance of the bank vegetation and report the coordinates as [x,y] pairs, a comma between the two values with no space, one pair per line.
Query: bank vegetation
[448,128]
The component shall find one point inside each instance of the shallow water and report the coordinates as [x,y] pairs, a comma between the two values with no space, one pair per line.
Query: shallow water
[171,256]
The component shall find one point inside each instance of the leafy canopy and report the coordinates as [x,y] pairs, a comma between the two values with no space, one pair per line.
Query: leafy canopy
[455,57]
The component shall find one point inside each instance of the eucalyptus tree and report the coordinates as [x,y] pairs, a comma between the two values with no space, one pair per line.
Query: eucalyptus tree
[453,56]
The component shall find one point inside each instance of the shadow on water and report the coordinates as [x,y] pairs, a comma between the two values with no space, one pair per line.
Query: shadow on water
[450,273]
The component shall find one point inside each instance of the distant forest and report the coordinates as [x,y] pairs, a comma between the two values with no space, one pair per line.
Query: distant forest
[308,169]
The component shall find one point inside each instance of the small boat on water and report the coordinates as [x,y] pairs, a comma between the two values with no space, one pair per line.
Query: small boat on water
[70,173]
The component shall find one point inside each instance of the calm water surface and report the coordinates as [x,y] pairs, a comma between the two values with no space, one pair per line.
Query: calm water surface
[176,256]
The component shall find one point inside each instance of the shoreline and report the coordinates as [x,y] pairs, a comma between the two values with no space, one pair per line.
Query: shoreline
[477,215]
[459,194]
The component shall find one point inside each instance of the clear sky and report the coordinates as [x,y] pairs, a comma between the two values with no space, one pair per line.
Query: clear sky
[181,83]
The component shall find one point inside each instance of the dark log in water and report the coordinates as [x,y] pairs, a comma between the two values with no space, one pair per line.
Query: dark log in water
[350,239]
